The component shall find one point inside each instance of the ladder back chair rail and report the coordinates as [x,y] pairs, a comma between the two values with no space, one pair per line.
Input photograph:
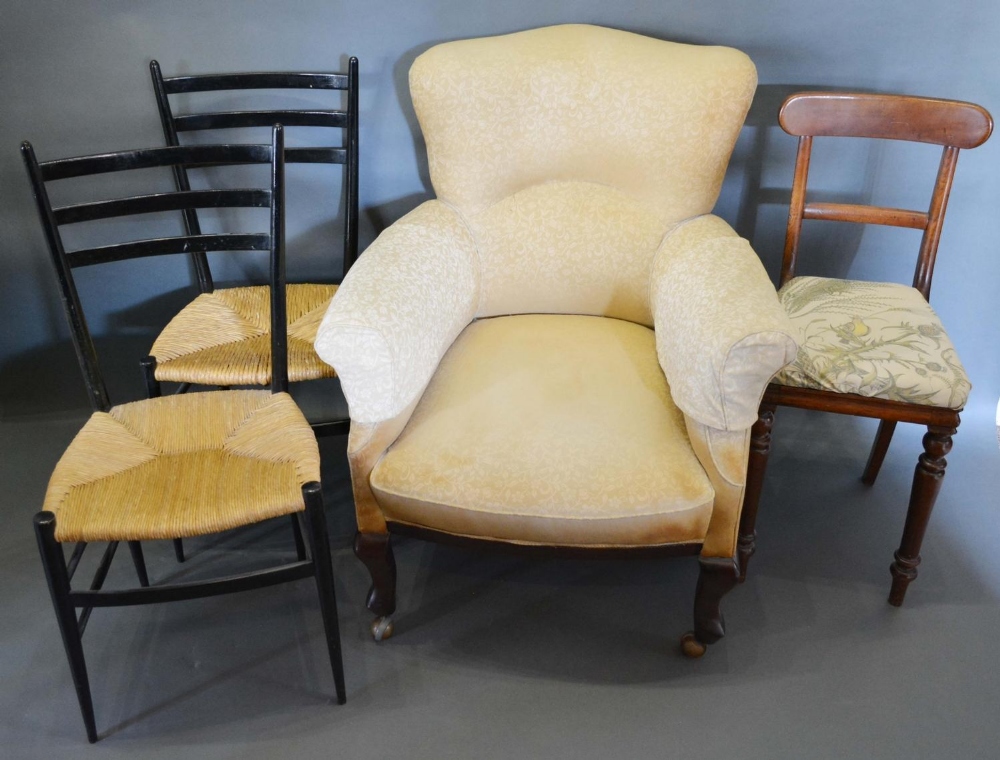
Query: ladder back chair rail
[346,120]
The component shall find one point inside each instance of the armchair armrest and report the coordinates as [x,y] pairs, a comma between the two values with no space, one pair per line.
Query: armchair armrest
[399,309]
[721,333]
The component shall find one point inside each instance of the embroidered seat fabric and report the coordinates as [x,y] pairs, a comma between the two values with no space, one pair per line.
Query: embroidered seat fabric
[875,339]
[183,465]
[224,337]
[502,444]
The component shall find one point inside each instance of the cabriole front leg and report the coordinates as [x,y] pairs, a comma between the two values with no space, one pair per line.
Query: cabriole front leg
[926,484]
[375,551]
[717,577]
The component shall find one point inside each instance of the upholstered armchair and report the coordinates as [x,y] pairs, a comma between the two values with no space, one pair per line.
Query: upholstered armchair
[564,351]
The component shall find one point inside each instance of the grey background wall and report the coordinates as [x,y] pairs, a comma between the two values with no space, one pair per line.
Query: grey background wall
[73,79]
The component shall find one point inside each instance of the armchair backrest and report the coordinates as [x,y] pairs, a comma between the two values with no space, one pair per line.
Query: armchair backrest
[571,150]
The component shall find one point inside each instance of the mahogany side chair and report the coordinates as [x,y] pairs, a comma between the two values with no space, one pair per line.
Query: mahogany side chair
[871,349]
[185,464]
[222,337]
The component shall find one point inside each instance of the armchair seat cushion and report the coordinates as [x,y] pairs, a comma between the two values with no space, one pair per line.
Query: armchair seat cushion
[548,429]
[875,339]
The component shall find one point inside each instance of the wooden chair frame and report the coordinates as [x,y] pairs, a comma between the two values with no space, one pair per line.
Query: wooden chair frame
[58,571]
[953,125]
[347,154]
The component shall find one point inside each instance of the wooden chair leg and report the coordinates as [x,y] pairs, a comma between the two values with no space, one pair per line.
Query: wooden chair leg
[135,548]
[320,547]
[375,551]
[300,546]
[58,581]
[179,549]
[717,577]
[885,430]
[926,484]
[760,450]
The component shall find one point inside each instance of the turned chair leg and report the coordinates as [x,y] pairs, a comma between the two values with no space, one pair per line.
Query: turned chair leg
[58,581]
[885,430]
[319,544]
[375,551]
[717,577]
[926,484]
[760,450]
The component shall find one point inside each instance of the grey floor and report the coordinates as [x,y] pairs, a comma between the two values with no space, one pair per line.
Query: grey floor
[497,656]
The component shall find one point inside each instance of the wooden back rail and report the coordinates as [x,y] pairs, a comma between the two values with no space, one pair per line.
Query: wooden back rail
[952,124]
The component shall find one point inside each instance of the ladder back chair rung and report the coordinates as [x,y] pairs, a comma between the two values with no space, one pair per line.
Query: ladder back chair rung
[183,465]
[854,359]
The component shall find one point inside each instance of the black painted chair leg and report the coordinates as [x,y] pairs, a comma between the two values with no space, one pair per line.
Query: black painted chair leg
[300,545]
[58,581]
[320,546]
[717,577]
[135,548]
[179,549]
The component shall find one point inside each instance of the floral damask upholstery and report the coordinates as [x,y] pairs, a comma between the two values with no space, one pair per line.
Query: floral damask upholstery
[875,339]
[565,347]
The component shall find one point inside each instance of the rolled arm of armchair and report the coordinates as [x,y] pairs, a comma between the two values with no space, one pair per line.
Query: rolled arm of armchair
[721,333]
[399,309]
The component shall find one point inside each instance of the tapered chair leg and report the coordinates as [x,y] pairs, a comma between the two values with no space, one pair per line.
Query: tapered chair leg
[717,577]
[178,549]
[58,581]
[927,480]
[300,546]
[135,548]
[885,430]
[320,546]
[375,551]
[760,450]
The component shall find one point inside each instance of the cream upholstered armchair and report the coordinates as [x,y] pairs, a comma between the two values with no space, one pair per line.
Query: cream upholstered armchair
[564,350]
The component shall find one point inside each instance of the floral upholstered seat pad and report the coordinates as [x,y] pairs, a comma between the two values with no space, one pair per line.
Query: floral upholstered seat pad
[876,339]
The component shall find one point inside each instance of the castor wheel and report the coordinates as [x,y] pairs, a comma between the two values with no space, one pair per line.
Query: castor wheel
[691,647]
[382,628]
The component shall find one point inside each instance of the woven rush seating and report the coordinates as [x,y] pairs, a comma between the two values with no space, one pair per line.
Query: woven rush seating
[183,465]
[223,337]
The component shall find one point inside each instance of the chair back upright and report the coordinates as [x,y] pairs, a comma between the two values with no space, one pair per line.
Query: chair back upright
[344,119]
[952,124]
[53,218]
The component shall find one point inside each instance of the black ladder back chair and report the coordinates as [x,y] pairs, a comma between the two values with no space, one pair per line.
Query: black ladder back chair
[186,464]
[236,356]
